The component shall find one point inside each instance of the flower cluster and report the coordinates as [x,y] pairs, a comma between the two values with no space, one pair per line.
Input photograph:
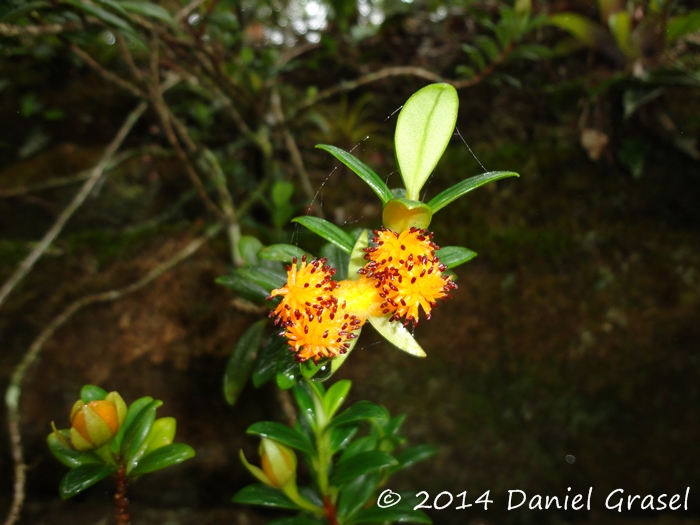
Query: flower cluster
[321,316]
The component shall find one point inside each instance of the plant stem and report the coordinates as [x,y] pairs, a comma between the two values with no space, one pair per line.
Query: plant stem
[121,502]
[330,511]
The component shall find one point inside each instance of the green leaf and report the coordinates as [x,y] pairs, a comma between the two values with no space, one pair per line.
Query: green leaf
[355,494]
[487,46]
[149,9]
[335,396]
[362,170]
[163,457]
[452,256]
[92,393]
[288,372]
[283,434]
[413,455]
[134,410]
[423,130]
[475,55]
[328,231]
[264,495]
[584,29]
[240,363]
[264,277]
[396,334]
[281,252]
[116,8]
[362,463]
[243,287]
[683,25]
[363,444]
[249,247]
[360,411]
[82,477]
[67,455]
[305,404]
[620,26]
[282,192]
[266,365]
[450,194]
[341,437]
[101,14]
[134,444]
[389,515]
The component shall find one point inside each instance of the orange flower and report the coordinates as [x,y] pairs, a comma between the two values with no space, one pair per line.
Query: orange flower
[407,288]
[307,286]
[398,249]
[314,336]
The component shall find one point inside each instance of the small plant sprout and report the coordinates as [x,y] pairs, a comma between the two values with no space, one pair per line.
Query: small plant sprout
[108,439]
[388,277]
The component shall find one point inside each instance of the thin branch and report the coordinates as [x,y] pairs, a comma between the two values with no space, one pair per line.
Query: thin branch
[187,10]
[14,390]
[10,30]
[294,153]
[28,263]
[107,75]
[65,181]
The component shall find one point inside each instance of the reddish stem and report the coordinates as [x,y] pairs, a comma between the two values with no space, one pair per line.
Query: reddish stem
[121,502]
[330,511]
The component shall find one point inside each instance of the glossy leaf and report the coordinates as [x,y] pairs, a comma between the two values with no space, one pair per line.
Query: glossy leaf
[413,455]
[149,9]
[240,363]
[584,29]
[355,494]
[244,287]
[362,463]
[362,170]
[282,434]
[134,410]
[266,365]
[423,130]
[82,477]
[67,455]
[452,256]
[395,514]
[335,396]
[288,372]
[461,188]
[357,256]
[328,231]
[281,252]
[163,457]
[134,444]
[342,436]
[363,444]
[264,495]
[683,25]
[397,335]
[92,393]
[305,404]
[620,26]
[264,277]
[360,411]
[249,247]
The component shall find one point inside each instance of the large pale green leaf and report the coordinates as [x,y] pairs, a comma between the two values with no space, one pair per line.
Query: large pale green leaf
[423,130]
[360,411]
[450,194]
[240,363]
[360,464]
[328,231]
[281,252]
[397,335]
[362,170]
[82,477]
[357,256]
[620,26]
[68,455]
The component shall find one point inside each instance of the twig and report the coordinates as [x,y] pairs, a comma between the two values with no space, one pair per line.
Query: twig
[276,107]
[107,75]
[185,11]
[14,390]
[28,263]
[65,181]
[11,30]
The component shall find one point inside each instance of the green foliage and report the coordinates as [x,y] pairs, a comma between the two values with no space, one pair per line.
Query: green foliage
[347,470]
[142,444]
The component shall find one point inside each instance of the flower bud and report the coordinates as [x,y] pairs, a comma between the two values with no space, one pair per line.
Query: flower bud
[402,214]
[95,423]
[279,464]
